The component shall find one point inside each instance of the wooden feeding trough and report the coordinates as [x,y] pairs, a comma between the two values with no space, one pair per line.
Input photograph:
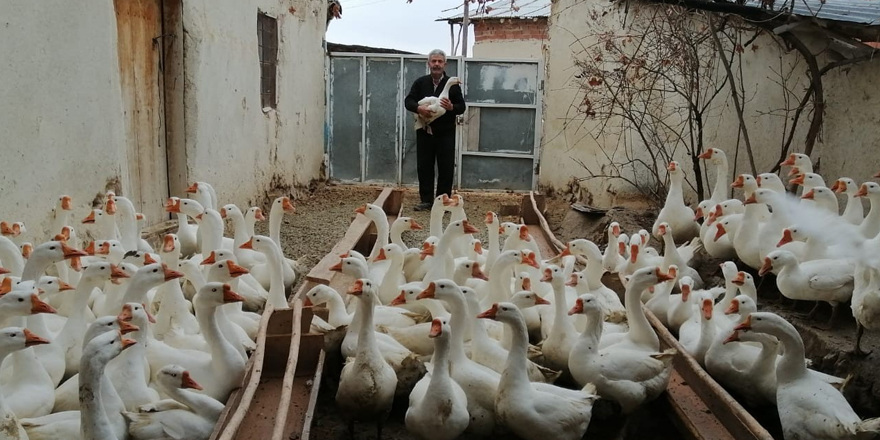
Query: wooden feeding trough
[277,398]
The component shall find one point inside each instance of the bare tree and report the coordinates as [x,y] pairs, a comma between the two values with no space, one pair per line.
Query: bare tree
[651,87]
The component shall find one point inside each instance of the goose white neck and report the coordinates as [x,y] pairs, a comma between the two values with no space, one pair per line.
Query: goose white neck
[515,375]
[639,328]
[94,420]
[719,193]
[11,257]
[211,230]
[225,358]
[275,259]
[561,322]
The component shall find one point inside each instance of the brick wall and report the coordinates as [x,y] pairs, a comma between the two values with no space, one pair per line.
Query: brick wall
[510,29]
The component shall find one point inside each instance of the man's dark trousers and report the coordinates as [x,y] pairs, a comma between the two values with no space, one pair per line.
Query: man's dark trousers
[439,147]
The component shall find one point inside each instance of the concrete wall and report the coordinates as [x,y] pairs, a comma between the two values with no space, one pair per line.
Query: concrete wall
[847,140]
[64,126]
[231,142]
[506,38]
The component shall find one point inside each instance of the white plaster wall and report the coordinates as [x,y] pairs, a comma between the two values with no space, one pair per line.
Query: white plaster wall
[62,127]
[243,151]
[845,147]
[509,49]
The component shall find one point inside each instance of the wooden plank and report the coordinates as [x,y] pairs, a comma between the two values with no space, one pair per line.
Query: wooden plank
[289,371]
[239,403]
[724,410]
[321,273]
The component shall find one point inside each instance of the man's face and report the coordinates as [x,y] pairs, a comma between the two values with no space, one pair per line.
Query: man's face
[437,64]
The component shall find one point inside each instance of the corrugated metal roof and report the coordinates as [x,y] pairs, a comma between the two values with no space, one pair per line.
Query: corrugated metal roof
[503,9]
[854,11]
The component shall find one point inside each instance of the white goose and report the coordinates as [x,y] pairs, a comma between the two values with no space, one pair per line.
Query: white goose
[629,377]
[534,413]
[14,339]
[437,404]
[674,211]
[854,211]
[223,369]
[809,408]
[367,383]
[433,104]
[189,414]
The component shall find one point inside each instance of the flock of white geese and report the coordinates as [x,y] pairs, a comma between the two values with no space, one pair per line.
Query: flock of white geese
[469,313]
[116,340]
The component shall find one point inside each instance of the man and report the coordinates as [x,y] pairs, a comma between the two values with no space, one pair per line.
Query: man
[436,141]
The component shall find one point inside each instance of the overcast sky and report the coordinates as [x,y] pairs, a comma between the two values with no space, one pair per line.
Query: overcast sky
[396,24]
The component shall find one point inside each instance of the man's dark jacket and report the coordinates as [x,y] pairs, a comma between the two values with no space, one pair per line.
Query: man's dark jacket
[424,86]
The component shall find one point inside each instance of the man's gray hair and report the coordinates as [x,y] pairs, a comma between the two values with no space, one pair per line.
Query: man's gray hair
[437,52]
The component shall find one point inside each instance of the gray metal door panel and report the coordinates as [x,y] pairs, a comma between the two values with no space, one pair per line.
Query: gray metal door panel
[371,136]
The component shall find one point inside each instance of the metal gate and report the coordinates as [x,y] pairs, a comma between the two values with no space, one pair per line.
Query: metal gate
[370,136]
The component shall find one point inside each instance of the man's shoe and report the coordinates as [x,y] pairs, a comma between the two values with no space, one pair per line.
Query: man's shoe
[424,206]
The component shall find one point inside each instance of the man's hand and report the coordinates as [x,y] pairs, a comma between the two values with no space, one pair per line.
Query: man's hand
[446,103]
[425,112]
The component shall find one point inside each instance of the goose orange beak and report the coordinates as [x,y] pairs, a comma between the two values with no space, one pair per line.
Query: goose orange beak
[414,226]
[707,309]
[706,154]
[478,248]
[671,166]
[90,219]
[732,308]
[490,218]
[361,209]
[750,200]
[105,249]
[428,293]
[427,251]
[758,181]
[524,233]
[477,272]
[287,205]
[745,325]
[577,308]
[799,180]
[38,306]
[566,252]
[739,182]
[110,207]
[732,338]
[31,339]
[194,188]
[530,260]
[171,274]
[719,232]
[788,162]
[337,267]
[839,186]
[229,296]
[399,299]
[491,313]
[436,328]
[186,381]
[70,252]
[307,302]
[766,267]
[663,276]
[786,237]
[62,286]
[698,214]
[258,214]
[236,270]
[548,276]
[127,342]
[685,292]
[5,286]
[539,301]
[90,249]
[357,288]
[469,228]
[573,281]
[66,203]
[615,230]
[212,258]
[381,255]
[168,244]
[222,212]
[248,244]
[740,278]
[863,191]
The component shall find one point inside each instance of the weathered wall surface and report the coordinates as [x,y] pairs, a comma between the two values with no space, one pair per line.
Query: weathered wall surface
[232,142]
[62,126]
[65,129]
[845,147]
